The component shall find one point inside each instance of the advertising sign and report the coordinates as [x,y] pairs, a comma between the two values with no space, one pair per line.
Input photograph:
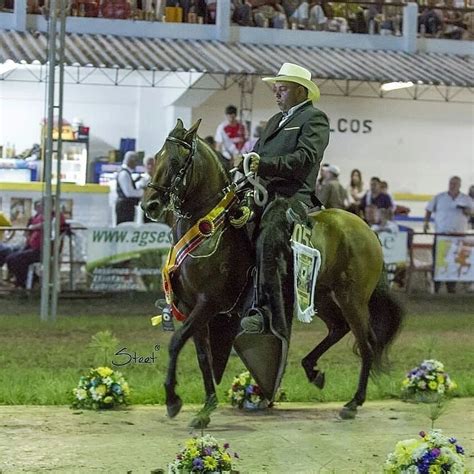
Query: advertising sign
[127,257]
[395,251]
[454,258]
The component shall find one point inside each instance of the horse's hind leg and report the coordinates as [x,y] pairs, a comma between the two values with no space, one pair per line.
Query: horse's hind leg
[332,316]
[357,315]
[199,315]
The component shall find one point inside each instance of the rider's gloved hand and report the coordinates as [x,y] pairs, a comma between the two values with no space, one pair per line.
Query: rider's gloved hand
[254,163]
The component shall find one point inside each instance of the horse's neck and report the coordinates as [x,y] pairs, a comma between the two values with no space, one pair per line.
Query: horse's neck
[207,183]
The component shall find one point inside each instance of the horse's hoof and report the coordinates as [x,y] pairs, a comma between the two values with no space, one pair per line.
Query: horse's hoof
[348,413]
[174,408]
[200,422]
[319,380]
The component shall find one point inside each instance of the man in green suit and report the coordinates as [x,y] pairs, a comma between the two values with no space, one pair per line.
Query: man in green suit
[289,153]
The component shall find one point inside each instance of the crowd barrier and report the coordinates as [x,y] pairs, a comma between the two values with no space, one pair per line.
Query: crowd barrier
[130,257]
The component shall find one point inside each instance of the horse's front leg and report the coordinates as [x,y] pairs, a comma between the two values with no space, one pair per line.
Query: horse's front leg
[204,356]
[199,316]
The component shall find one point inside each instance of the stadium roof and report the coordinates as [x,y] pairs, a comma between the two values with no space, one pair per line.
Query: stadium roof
[210,56]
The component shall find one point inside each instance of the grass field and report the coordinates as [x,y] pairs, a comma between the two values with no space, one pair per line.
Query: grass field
[41,363]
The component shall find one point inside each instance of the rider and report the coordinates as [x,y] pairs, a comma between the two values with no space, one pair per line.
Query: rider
[288,155]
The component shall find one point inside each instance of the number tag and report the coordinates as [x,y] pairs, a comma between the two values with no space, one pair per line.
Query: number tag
[302,234]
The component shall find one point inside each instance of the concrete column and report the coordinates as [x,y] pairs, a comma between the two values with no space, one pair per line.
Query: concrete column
[223,20]
[20,15]
[410,27]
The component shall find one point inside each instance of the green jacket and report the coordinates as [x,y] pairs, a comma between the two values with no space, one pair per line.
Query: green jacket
[290,155]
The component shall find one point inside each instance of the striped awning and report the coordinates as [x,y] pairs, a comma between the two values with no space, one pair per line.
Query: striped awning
[210,56]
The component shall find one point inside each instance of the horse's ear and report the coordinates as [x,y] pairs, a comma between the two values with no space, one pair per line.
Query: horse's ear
[191,133]
[179,126]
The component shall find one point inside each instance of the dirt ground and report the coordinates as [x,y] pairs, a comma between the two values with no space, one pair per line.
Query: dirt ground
[291,438]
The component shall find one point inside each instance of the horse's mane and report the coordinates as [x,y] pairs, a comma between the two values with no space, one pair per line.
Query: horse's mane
[224,173]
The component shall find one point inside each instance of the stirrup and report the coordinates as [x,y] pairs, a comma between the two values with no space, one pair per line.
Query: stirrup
[255,321]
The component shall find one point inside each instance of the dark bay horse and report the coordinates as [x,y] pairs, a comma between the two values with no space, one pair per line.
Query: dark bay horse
[211,282]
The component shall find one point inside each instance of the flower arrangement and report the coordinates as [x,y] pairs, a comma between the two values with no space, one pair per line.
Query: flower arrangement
[427,381]
[101,388]
[202,455]
[430,453]
[244,392]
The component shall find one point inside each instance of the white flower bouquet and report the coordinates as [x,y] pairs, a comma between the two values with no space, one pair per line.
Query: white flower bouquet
[101,388]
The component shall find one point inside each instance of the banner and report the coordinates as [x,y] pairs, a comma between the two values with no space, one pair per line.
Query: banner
[454,258]
[395,252]
[127,257]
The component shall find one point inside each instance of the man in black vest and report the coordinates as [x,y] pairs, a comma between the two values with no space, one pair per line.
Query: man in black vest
[290,151]
[129,194]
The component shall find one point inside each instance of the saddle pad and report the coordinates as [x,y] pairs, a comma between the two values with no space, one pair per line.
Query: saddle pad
[307,262]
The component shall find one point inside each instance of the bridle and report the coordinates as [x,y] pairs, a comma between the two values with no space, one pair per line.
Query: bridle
[175,192]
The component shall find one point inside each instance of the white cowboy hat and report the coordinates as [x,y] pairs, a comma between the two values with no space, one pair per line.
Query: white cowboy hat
[290,72]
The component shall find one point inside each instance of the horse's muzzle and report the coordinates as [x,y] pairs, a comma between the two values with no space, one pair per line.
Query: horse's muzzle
[152,209]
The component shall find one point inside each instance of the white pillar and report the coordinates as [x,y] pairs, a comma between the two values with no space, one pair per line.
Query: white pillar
[410,27]
[223,20]
[20,15]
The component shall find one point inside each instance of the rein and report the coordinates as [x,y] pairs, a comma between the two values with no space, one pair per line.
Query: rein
[177,189]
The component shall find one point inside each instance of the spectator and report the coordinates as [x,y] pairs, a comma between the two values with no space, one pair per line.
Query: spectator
[128,191]
[145,178]
[384,221]
[271,13]
[430,21]
[375,196]
[5,249]
[300,16]
[471,195]
[333,194]
[452,210]
[384,189]
[468,22]
[355,189]
[453,26]
[19,261]
[243,14]
[230,135]
[250,143]
[336,24]
[323,176]
[317,16]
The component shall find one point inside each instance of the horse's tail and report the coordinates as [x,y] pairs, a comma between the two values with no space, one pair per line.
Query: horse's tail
[386,318]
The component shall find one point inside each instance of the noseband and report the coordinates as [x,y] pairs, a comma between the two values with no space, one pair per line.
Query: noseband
[175,192]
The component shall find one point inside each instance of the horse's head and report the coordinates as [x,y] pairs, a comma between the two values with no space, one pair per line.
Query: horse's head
[167,189]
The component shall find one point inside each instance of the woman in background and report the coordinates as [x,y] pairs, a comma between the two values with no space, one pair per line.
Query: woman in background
[355,191]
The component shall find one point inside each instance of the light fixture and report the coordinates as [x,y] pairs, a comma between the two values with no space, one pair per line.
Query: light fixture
[8,65]
[393,86]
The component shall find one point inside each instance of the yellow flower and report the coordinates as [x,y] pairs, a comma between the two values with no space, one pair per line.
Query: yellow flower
[440,378]
[433,385]
[436,469]
[108,399]
[404,450]
[125,388]
[405,382]
[226,458]
[193,452]
[191,443]
[101,390]
[210,463]
[104,371]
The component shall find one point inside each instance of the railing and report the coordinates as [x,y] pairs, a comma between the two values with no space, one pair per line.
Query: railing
[366,17]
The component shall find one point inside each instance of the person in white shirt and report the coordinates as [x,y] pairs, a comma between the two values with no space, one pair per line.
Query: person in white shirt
[452,210]
[128,192]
